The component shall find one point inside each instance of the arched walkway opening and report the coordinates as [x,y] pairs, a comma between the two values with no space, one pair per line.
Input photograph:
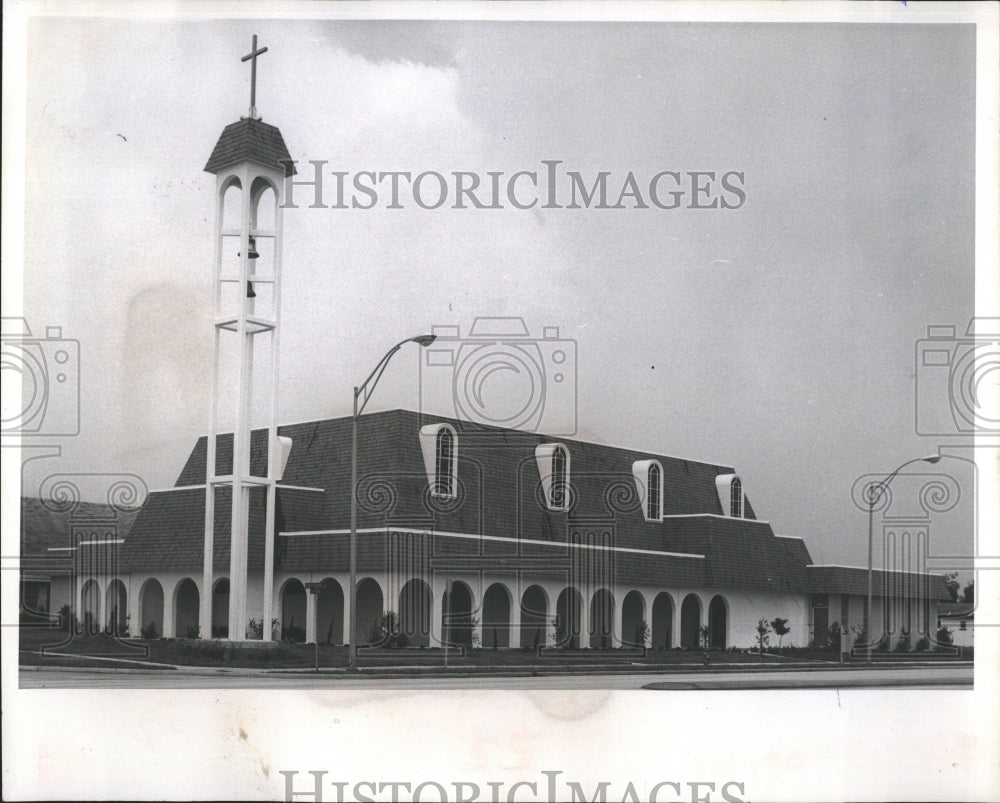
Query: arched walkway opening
[496,617]
[220,609]
[90,598]
[718,622]
[293,611]
[602,619]
[568,608]
[186,602]
[534,617]
[370,609]
[330,613]
[116,607]
[633,615]
[690,622]
[456,615]
[415,613]
[151,608]
[663,622]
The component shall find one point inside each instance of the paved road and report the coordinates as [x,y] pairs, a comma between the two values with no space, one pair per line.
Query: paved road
[937,677]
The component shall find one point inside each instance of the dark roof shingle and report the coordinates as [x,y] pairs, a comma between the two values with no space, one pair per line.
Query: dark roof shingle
[250,140]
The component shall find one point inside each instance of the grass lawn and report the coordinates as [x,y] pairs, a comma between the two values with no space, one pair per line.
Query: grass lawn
[41,646]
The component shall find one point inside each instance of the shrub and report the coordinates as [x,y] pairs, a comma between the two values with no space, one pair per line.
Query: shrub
[705,637]
[193,631]
[944,636]
[883,643]
[149,632]
[923,643]
[67,620]
[833,637]
[781,628]
[641,632]
[763,628]
[559,631]
[903,642]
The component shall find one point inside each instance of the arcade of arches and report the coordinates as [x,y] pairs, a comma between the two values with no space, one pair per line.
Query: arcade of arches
[544,615]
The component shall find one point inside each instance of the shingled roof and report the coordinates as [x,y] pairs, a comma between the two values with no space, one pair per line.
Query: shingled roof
[854,580]
[498,498]
[250,140]
[47,530]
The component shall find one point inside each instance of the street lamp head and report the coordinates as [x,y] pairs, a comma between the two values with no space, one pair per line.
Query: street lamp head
[424,340]
[931,458]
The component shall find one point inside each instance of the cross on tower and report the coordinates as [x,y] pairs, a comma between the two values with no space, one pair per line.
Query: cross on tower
[252,58]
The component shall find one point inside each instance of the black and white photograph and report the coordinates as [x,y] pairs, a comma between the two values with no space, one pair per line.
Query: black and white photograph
[501,402]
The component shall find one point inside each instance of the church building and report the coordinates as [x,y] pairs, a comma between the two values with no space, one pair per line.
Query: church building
[468,534]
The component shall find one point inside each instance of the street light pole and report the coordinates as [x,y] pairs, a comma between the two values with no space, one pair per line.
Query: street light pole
[362,393]
[875,491]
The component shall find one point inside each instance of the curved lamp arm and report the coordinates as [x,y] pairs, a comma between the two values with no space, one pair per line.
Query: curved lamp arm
[883,485]
[363,391]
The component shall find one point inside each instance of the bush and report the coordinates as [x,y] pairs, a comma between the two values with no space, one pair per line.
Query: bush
[833,637]
[903,642]
[193,631]
[923,643]
[149,632]
[944,637]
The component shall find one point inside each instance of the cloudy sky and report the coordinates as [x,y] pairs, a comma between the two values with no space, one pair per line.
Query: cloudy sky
[778,337]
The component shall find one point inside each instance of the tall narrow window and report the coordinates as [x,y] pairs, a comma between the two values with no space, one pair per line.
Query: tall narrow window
[654,501]
[736,499]
[444,480]
[559,461]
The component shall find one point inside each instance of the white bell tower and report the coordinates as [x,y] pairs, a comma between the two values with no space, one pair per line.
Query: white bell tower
[249,161]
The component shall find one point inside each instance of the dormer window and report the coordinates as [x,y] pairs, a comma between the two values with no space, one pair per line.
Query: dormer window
[553,470]
[560,461]
[654,504]
[730,490]
[444,464]
[736,499]
[439,446]
[648,475]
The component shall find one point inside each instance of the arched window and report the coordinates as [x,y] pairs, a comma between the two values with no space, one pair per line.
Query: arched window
[736,499]
[444,464]
[560,464]
[654,493]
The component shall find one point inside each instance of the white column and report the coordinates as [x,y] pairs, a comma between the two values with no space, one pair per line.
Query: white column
[585,619]
[168,611]
[515,622]
[345,626]
[675,630]
[132,608]
[477,632]
[618,629]
[310,617]
[437,609]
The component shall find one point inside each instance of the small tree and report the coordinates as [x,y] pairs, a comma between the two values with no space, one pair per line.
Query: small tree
[705,637]
[763,628]
[781,628]
[951,582]
[641,632]
[833,637]
[559,631]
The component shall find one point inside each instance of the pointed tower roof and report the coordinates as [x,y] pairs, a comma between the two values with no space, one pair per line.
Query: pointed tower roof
[250,140]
